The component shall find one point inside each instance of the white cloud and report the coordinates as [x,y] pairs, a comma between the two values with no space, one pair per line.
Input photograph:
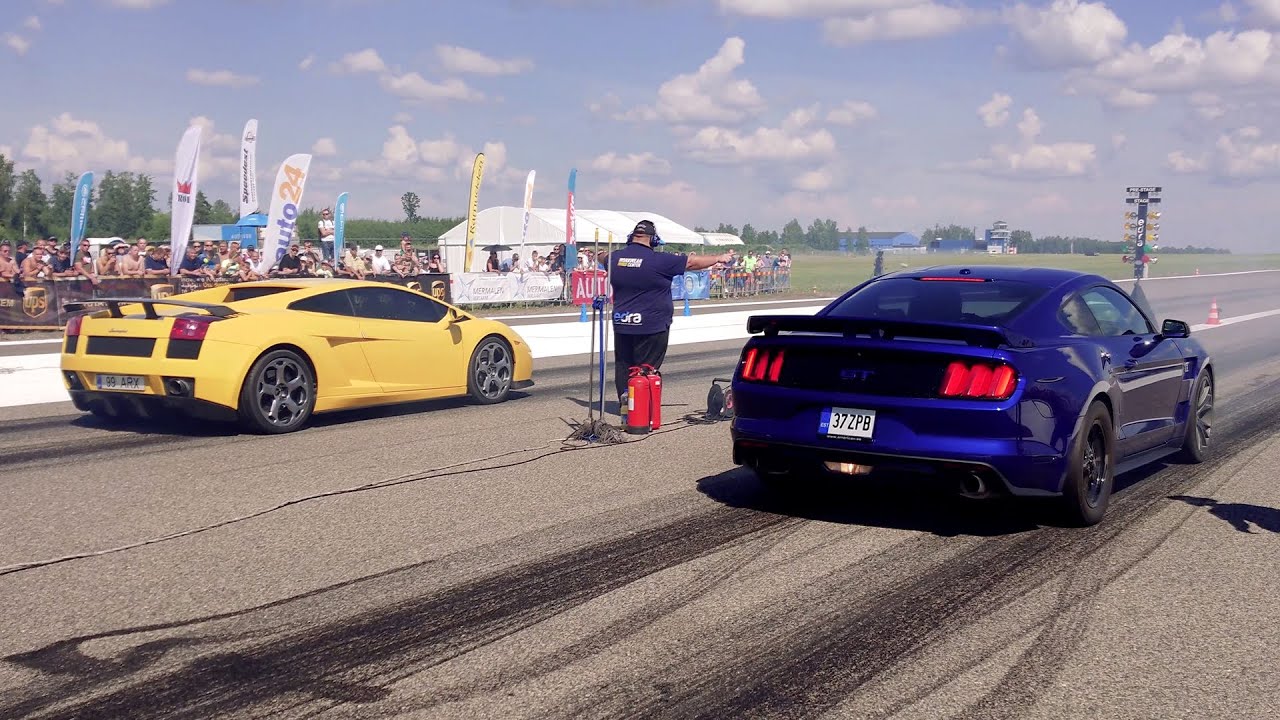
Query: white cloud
[362,61]
[1180,162]
[402,118]
[324,147]
[631,164]
[1119,140]
[1130,99]
[31,23]
[219,152]
[1243,155]
[139,4]
[220,78]
[1181,63]
[17,43]
[677,200]
[68,144]
[818,180]
[896,203]
[435,160]
[1226,13]
[1030,126]
[1265,11]
[913,21]
[307,62]
[995,112]
[210,139]
[462,60]
[711,94]
[412,87]
[1067,33]
[793,140]
[852,112]
[780,9]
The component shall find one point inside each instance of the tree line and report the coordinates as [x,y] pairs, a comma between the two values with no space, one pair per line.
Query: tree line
[124,205]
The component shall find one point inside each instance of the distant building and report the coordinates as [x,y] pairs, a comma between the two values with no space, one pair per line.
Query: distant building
[894,239]
[999,238]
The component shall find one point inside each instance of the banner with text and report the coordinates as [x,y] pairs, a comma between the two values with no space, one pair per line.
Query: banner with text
[692,285]
[38,306]
[587,284]
[482,288]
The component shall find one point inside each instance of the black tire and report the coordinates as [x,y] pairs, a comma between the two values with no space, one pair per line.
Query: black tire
[1195,442]
[279,393]
[490,371]
[1086,491]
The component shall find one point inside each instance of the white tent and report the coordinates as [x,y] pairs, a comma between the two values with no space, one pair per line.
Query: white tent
[502,226]
[722,239]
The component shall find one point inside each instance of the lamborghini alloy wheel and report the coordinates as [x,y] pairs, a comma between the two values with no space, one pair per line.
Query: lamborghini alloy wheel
[279,393]
[491,371]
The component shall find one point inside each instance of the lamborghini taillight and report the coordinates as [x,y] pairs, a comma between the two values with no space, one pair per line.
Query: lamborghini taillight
[763,364]
[978,381]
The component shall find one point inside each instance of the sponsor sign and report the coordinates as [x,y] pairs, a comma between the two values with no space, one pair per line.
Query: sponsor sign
[482,288]
[691,285]
[282,221]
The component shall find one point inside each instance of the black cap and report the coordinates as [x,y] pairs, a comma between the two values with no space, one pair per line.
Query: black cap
[645,227]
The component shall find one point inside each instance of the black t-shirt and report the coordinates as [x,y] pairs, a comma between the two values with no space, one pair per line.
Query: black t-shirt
[155,264]
[290,262]
[191,263]
[641,279]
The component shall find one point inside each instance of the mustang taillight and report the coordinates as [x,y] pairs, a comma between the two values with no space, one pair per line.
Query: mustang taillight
[978,381]
[73,325]
[190,328]
[763,365]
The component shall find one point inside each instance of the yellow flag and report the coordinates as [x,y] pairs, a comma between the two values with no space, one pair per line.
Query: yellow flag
[473,208]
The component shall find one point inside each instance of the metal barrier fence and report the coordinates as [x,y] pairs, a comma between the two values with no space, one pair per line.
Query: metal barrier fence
[741,283]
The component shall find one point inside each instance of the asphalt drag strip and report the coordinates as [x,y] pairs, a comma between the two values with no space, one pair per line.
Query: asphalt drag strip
[652,580]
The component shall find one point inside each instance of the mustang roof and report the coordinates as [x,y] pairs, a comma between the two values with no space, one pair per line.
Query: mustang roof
[1036,275]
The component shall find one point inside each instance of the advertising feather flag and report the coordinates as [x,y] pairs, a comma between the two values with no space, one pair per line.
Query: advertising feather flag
[528,207]
[339,225]
[249,169]
[570,234]
[185,180]
[80,210]
[286,199]
[473,209]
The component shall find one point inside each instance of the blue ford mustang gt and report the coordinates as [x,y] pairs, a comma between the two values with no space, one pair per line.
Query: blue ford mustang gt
[1016,381]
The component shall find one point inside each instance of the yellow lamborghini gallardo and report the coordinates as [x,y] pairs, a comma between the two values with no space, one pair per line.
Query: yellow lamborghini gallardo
[270,354]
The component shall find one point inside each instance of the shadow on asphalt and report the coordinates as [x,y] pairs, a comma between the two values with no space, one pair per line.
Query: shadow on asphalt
[1241,516]
[900,503]
[178,425]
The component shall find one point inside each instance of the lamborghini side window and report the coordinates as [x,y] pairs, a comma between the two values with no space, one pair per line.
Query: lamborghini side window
[391,303]
[330,303]
[1115,313]
[1077,318]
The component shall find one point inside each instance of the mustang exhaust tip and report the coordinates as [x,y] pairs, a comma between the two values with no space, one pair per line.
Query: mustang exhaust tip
[973,486]
[845,468]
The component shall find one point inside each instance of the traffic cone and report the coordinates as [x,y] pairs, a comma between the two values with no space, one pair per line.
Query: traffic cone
[1213,313]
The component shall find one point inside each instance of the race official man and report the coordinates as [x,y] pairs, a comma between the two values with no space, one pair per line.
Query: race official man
[642,305]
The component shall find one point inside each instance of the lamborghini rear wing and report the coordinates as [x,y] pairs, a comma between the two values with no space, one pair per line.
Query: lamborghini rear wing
[979,335]
[148,306]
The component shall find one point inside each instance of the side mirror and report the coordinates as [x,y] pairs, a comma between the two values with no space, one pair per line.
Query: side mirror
[456,317]
[1175,329]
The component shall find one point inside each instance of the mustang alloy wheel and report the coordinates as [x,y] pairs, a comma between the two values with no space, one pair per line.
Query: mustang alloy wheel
[1195,445]
[1086,490]
[279,393]
[491,371]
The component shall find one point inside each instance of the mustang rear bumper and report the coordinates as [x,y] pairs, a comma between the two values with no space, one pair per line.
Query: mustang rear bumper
[1014,467]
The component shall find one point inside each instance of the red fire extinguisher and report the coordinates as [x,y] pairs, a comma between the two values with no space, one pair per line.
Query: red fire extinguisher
[638,402]
[655,397]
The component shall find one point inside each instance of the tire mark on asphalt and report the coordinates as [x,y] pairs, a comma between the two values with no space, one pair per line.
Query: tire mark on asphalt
[827,657]
[341,661]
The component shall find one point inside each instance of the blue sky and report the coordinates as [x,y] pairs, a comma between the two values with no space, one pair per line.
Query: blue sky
[894,114]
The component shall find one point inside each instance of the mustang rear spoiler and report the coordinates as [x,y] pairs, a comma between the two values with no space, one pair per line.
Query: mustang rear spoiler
[980,335]
[148,306]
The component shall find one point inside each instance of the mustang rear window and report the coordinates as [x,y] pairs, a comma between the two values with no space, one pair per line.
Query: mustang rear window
[989,303]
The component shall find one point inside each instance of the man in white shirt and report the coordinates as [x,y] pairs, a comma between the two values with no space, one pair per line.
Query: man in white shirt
[381,264]
[325,226]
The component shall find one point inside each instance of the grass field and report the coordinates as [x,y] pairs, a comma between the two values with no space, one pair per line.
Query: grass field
[829,273]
